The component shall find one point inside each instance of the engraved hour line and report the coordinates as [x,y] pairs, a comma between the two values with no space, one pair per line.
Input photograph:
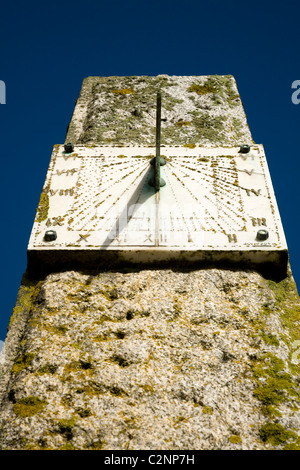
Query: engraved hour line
[138,196]
[212,202]
[206,210]
[221,203]
[107,188]
[182,215]
[208,175]
[135,168]
[230,171]
[217,178]
[109,208]
[225,209]
[130,164]
[210,215]
[225,169]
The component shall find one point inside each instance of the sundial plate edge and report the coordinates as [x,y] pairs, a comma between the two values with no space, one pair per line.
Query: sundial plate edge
[215,200]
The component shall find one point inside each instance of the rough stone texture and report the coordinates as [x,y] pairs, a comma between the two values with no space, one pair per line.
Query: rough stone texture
[202,110]
[153,359]
[158,359]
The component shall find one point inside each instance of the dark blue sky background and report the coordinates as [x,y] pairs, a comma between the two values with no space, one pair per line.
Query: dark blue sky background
[47,48]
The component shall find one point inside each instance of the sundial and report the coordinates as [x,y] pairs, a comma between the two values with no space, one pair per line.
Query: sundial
[153,205]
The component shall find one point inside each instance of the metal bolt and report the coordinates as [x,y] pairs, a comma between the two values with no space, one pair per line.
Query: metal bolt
[262,235]
[69,147]
[50,235]
[245,148]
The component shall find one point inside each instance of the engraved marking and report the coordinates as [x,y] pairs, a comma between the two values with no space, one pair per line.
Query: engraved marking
[53,192]
[55,221]
[66,192]
[58,221]
[232,238]
[67,172]
[83,237]
[221,205]
[74,155]
[258,221]
[254,191]
[163,238]
[246,155]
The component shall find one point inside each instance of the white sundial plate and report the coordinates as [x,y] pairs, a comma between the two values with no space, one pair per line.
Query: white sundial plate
[213,204]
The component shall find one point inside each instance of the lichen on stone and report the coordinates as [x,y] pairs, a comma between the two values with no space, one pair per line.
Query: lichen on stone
[122,111]
[173,355]
[43,207]
[29,406]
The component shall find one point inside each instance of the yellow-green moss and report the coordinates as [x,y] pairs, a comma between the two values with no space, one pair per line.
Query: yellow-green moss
[48,369]
[201,89]
[276,386]
[288,305]
[68,446]
[275,434]
[75,366]
[207,410]
[17,311]
[22,362]
[208,127]
[190,146]
[234,439]
[65,427]
[177,307]
[124,91]
[43,207]
[270,339]
[181,123]
[29,406]
[27,295]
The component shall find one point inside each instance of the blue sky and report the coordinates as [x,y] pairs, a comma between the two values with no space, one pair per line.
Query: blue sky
[47,48]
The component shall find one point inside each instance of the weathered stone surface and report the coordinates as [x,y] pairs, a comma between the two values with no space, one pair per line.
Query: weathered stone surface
[203,110]
[156,359]
[153,359]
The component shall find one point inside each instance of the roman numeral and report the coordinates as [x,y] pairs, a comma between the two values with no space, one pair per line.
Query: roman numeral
[83,237]
[67,172]
[254,191]
[66,192]
[259,221]
[232,238]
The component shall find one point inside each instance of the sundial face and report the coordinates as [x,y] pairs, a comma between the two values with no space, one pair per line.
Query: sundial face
[218,203]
